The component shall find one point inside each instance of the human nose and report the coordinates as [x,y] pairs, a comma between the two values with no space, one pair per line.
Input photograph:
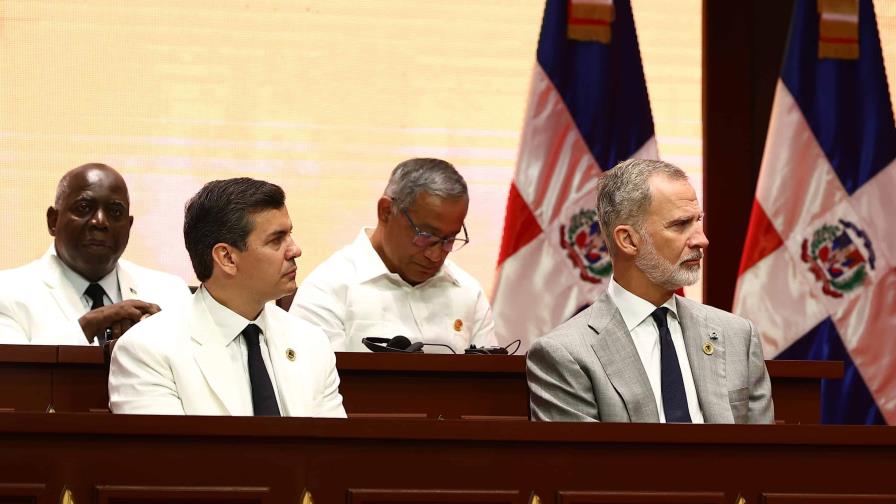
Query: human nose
[293,249]
[99,218]
[435,252]
[699,239]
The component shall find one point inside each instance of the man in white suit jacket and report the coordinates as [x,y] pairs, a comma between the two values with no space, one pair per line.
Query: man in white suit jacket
[44,302]
[230,351]
[641,353]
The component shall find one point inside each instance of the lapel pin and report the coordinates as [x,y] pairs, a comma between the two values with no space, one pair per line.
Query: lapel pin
[290,354]
[458,325]
[133,291]
[713,335]
[708,349]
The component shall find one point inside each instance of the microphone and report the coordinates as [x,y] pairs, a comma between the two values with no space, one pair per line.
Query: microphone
[399,344]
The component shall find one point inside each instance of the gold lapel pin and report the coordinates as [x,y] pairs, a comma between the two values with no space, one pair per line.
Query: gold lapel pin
[458,325]
[708,349]
[290,354]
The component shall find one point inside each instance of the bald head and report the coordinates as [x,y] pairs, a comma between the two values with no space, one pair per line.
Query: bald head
[83,172]
[90,219]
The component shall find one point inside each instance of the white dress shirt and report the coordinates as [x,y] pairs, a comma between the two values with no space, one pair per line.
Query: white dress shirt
[645,334]
[109,283]
[352,295]
[230,326]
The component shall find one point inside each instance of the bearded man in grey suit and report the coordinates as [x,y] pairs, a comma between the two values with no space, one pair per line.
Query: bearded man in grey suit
[641,353]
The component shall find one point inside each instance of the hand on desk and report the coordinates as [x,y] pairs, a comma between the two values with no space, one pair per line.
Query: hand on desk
[118,318]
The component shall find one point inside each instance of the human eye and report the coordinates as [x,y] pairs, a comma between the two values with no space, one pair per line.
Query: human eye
[117,211]
[81,207]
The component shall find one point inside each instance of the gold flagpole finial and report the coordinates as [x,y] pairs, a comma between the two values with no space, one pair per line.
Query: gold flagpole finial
[306,497]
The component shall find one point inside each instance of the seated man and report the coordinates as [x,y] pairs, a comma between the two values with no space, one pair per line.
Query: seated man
[228,352]
[641,353]
[80,292]
[394,279]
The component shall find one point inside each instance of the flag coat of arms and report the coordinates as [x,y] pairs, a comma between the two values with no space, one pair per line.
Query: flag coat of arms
[588,110]
[818,273]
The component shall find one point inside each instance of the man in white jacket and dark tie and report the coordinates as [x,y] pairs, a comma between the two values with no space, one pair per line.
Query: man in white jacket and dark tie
[230,351]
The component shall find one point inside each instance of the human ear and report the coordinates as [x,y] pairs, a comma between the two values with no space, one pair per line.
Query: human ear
[52,217]
[626,239]
[384,209]
[224,256]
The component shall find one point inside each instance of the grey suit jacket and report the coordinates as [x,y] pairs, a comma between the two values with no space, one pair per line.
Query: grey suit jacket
[588,369]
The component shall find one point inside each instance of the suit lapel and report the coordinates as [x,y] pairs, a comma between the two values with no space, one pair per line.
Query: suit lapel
[212,357]
[126,283]
[289,373]
[617,354]
[708,370]
[60,288]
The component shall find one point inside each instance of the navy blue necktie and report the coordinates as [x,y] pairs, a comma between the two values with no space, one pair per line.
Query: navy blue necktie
[264,402]
[675,402]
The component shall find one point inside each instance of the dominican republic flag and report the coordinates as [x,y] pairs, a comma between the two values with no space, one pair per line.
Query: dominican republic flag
[817,275]
[588,110]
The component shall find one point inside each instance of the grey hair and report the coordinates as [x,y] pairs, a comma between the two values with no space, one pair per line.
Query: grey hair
[432,176]
[623,194]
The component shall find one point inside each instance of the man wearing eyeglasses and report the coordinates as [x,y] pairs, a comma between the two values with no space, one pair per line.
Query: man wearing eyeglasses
[395,279]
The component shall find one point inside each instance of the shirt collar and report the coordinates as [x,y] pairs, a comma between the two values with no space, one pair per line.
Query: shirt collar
[229,323]
[109,283]
[371,266]
[633,308]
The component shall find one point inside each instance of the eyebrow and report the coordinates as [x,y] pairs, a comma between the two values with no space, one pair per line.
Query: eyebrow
[279,233]
[427,229]
[684,219]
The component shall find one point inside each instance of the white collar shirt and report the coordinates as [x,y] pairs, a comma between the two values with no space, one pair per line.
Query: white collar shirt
[229,327]
[636,312]
[352,295]
[79,284]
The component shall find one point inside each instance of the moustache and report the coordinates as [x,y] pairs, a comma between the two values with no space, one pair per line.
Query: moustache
[696,256]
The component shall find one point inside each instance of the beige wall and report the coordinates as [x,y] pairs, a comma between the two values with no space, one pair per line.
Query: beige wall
[323,98]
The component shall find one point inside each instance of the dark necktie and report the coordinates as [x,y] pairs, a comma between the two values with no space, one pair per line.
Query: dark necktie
[675,402]
[96,292]
[264,402]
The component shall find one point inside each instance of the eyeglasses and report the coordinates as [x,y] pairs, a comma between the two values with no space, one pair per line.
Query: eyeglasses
[423,239]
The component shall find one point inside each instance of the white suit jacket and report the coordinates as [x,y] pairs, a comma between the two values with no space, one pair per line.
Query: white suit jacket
[169,365]
[38,305]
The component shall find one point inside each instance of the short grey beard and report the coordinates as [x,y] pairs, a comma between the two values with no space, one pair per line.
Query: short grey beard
[660,271]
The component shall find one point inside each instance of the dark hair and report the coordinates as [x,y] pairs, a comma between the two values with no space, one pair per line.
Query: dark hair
[221,213]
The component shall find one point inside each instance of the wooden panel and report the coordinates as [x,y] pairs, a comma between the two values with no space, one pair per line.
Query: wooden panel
[21,493]
[373,385]
[79,380]
[28,387]
[471,459]
[827,498]
[111,494]
[578,497]
[390,496]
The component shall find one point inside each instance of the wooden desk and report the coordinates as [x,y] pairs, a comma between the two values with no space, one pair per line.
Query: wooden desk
[73,379]
[184,460]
